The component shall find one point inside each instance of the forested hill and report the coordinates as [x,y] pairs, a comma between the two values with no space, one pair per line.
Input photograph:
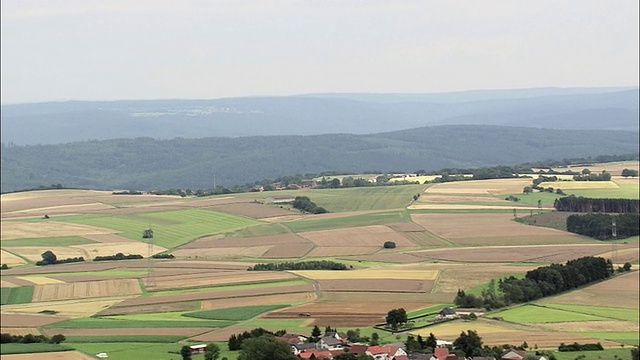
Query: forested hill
[581,108]
[146,163]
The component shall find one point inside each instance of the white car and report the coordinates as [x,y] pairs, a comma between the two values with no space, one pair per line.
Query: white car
[102,355]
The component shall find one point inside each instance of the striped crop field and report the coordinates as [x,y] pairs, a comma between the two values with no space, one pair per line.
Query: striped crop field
[171,228]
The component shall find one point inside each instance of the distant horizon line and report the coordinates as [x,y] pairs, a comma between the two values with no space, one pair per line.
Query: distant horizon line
[340,93]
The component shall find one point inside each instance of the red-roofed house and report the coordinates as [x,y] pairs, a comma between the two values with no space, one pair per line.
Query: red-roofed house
[513,355]
[317,354]
[385,352]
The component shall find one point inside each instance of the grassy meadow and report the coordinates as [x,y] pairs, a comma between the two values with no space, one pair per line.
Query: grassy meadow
[156,323]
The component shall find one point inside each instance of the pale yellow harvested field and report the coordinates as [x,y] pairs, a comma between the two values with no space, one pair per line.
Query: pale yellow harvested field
[10,259]
[491,229]
[79,290]
[591,326]
[614,168]
[480,187]
[40,280]
[506,205]
[626,180]
[34,253]
[448,199]
[621,291]
[19,330]
[258,300]
[622,255]
[372,273]
[66,308]
[202,280]
[59,210]
[343,251]
[19,230]
[374,235]
[127,248]
[7,284]
[288,251]
[575,185]
[44,198]
[420,179]
[467,276]
[62,355]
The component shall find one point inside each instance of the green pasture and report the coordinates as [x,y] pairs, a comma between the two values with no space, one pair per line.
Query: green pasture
[539,314]
[170,228]
[625,191]
[119,322]
[378,218]
[606,354]
[623,337]
[609,312]
[234,314]
[125,338]
[547,199]
[16,295]
[15,348]
[146,351]
[48,241]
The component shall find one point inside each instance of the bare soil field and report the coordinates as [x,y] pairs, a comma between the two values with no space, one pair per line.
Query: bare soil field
[22,320]
[8,284]
[509,205]
[258,300]
[34,253]
[59,210]
[374,235]
[253,210]
[204,279]
[480,187]
[287,251]
[10,259]
[387,272]
[65,308]
[390,257]
[222,294]
[45,198]
[406,227]
[502,254]
[221,334]
[374,285]
[128,247]
[20,330]
[326,251]
[388,298]
[622,255]
[94,289]
[217,241]
[20,230]
[62,355]
[621,291]
[491,229]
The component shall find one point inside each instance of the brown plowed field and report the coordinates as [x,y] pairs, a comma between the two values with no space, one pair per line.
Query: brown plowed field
[19,330]
[106,288]
[258,300]
[253,210]
[361,236]
[221,334]
[406,227]
[7,284]
[374,285]
[491,229]
[621,291]
[222,253]
[501,254]
[404,258]
[62,355]
[217,242]
[592,326]
[267,290]
[21,320]
[205,280]
[287,251]
[343,250]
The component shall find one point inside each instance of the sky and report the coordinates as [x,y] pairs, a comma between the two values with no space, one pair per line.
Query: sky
[58,50]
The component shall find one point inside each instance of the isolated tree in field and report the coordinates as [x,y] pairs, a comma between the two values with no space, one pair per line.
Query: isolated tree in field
[586,171]
[185,352]
[375,339]
[469,343]
[389,245]
[396,317]
[57,339]
[49,257]
[527,190]
[212,352]
[265,348]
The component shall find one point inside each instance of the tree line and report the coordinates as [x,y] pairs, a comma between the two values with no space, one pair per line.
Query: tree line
[574,203]
[538,283]
[304,204]
[6,338]
[302,265]
[600,226]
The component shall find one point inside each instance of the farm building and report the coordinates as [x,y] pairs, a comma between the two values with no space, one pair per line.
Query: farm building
[447,313]
[198,349]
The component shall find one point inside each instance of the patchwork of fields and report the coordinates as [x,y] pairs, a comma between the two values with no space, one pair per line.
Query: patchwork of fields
[455,236]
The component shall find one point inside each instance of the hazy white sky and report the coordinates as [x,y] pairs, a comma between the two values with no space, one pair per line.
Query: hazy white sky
[149,49]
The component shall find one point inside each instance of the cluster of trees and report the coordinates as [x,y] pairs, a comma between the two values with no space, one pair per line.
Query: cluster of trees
[537,283]
[420,345]
[4,267]
[118,256]
[162,256]
[303,203]
[389,245]
[6,338]
[235,341]
[582,204]
[587,175]
[600,226]
[629,173]
[302,265]
[580,347]
[127,192]
[49,258]
[396,318]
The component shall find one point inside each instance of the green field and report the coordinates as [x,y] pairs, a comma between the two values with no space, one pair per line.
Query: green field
[624,337]
[234,314]
[48,241]
[427,311]
[15,348]
[605,312]
[538,314]
[136,350]
[16,295]
[606,354]
[625,191]
[378,218]
[546,198]
[171,228]
[121,322]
